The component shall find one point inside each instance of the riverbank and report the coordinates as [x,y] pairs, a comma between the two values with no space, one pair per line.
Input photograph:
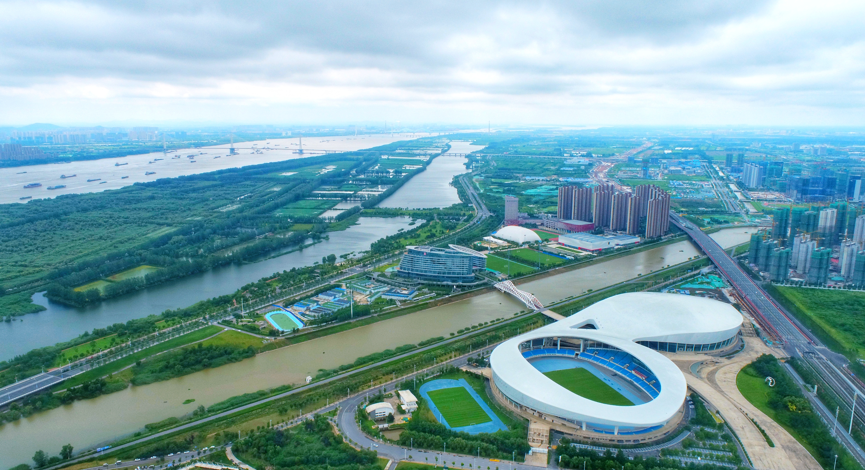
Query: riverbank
[137,406]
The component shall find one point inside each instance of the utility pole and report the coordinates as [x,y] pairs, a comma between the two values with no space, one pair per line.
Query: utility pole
[852,413]
[835,425]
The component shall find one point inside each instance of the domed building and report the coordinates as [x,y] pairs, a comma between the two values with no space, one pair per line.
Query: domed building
[517,234]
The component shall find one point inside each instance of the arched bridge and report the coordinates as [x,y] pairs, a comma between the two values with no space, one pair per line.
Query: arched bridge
[530,300]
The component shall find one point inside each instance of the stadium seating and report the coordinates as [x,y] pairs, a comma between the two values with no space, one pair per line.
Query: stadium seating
[620,362]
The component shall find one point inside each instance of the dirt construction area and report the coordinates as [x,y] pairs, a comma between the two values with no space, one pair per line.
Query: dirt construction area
[715,381]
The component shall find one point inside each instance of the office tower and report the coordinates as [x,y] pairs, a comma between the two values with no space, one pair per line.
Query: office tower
[818,271]
[740,160]
[619,211]
[827,226]
[658,213]
[779,264]
[602,204]
[752,175]
[781,224]
[729,162]
[645,170]
[847,260]
[512,209]
[582,204]
[796,220]
[858,279]
[634,217]
[565,207]
[842,180]
[859,232]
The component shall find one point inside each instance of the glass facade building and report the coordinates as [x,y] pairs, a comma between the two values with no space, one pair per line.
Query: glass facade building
[427,263]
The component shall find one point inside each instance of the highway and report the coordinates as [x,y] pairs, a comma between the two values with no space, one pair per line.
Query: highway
[797,342]
[30,385]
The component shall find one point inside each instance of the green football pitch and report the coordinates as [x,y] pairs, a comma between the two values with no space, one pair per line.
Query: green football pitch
[458,407]
[586,385]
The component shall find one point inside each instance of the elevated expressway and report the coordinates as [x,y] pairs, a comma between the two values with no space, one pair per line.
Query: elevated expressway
[796,340]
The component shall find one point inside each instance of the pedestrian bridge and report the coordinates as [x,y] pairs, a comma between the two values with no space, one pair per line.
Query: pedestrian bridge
[530,300]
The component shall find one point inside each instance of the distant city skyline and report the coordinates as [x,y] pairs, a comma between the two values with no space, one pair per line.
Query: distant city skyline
[761,63]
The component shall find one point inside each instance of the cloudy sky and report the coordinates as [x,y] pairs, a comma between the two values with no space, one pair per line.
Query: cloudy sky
[729,62]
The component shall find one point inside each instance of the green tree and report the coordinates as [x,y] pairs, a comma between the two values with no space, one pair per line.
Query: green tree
[66,452]
[40,458]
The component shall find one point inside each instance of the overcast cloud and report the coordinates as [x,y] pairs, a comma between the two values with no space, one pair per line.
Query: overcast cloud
[572,62]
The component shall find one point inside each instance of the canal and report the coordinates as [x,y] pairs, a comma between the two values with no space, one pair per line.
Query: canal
[432,187]
[84,423]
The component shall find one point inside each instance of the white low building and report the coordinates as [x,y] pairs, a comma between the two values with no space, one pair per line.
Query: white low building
[591,242]
[379,410]
[407,400]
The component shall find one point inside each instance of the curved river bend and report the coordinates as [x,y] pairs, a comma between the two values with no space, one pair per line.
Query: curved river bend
[90,422]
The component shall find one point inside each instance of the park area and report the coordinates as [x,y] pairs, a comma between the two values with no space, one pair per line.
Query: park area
[585,384]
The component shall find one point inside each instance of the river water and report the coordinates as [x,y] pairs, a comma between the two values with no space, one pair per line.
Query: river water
[91,422]
[432,188]
[61,323]
[12,180]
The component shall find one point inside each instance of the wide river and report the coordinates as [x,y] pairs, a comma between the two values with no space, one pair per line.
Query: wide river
[61,323]
[12,180]
[90,422]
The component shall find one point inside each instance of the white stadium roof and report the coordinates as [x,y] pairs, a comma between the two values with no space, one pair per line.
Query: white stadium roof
[517,234]
[619,321]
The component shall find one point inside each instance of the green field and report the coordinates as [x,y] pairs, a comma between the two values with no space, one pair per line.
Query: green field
[501,265]
[140,271]
[531,257]
[546,235]
[398,163]
[234,338]
[586,385]
[100,284]
[306,208]
[458,407]
[834,316]
[283,321]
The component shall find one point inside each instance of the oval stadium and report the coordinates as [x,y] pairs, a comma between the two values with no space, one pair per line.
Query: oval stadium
[600,374]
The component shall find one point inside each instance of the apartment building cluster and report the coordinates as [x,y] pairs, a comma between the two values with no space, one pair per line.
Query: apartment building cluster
[644,212]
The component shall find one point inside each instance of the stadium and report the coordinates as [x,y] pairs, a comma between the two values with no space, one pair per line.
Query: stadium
[598,375]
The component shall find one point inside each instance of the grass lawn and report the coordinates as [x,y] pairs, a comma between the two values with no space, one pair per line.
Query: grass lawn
[637,182]
[100,284]
[756,391]
[112,367]
[301,227]
[834,316]
[530,257]
[546,235]
[234,338]
[458,407]
[404,465]
[501,265]
[586,385]
[283,321]
[85,348]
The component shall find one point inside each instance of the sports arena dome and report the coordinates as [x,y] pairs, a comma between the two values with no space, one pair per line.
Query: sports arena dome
[518,235]
[618,340]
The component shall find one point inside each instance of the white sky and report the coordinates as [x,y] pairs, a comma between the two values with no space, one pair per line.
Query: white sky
[569,63]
